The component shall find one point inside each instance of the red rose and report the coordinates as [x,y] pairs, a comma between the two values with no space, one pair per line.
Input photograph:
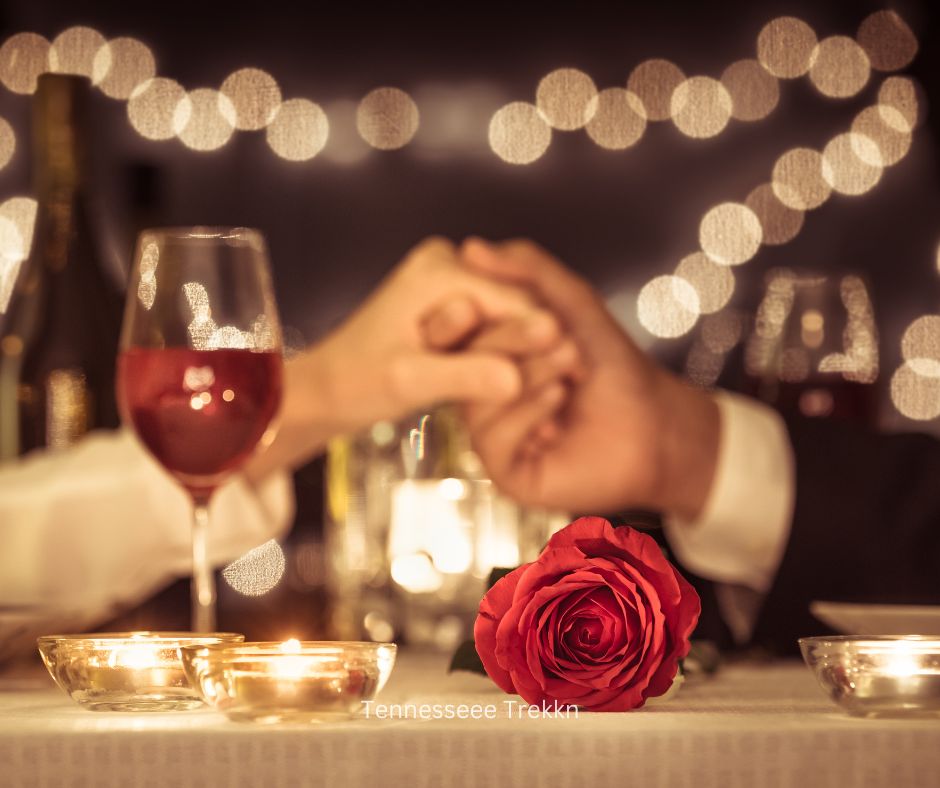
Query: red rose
[599,620]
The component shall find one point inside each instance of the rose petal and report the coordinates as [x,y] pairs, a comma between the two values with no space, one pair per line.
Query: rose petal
[494,605]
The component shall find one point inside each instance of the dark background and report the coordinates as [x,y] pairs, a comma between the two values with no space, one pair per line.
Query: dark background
[619,217]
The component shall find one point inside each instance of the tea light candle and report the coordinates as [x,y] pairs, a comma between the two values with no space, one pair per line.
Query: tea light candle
[872,676]
[290,681]
[128,671]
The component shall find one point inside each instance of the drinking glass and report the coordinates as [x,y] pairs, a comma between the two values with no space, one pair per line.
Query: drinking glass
[814,346]
[200,366]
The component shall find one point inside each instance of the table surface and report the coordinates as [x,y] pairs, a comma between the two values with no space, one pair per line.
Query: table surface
[748,726]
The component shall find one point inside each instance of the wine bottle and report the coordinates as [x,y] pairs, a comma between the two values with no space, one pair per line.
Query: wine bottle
[59,343]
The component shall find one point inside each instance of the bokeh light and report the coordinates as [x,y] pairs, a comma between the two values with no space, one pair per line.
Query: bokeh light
[255,95]
[153,106]
[702,366]
[730,233]
[208,121]
[17,219]
[883,126]
[887,40]
[713,283]
[668,307]
[121,65]
[779,222]
[798,179]
[7,143]
[654,82]
[851,163]
[299,130]
[922,339]
[915,390]
[258,571]
[73,51]
[700,107]
[518,133]
[23,58]
[567,98]
[840,67]
[754,91]
[387,118]
[899,95]
[722,331]
[786,47]
[619,120]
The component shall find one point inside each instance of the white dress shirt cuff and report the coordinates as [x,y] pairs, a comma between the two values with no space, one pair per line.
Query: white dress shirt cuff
[742,532]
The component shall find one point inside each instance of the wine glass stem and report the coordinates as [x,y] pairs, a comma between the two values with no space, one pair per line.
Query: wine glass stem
[203,586]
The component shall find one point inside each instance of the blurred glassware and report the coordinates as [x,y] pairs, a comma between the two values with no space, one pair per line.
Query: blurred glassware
[413,529]
[813,349]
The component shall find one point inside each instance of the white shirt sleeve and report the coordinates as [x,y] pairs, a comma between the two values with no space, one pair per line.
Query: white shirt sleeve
[742,532]
[101,526]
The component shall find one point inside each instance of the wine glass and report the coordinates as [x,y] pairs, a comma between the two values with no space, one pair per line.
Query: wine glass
[814,347]
[199,368]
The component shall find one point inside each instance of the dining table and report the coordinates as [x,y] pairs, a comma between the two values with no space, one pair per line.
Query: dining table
[750,724]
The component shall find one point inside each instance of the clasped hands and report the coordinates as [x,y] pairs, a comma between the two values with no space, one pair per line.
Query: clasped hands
[562,407]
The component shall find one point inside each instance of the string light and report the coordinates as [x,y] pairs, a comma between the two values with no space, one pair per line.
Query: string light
[73,51]
[619,119]
[778,222]
[7,143]
[840,67]
[255,97]
[887,40]
[753,90]
[518,133]
[567,98]
[299,130]
[915,390]
[653,82]
[798,180]
[23,57]
[700,107]
[668,307]
[730,233]
[205,120]
[121,65]
[884,126]
[713,283]
[156,106]
[851,163]
[786,47]
[387,118]
[17,219]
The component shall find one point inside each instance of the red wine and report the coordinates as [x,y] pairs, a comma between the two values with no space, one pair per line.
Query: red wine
[820,396]
[200,412]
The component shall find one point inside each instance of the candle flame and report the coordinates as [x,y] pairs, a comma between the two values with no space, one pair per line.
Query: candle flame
[291,646]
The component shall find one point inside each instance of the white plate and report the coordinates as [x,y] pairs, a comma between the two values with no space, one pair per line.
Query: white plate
[852,619]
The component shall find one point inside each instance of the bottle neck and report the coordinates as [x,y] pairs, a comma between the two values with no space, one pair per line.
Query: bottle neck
[59,143]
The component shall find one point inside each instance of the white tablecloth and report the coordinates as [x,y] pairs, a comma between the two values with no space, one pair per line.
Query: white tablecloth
[749,726]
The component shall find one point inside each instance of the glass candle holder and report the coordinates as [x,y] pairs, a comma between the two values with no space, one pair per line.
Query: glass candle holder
[295,681]
[878,676]
[126,671]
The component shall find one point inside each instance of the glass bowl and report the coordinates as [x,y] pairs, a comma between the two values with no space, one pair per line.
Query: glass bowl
[296,681]
[878,676]
[126,671]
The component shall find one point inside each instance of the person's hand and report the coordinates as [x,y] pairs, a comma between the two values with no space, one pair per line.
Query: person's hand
[380,364]
[624,433]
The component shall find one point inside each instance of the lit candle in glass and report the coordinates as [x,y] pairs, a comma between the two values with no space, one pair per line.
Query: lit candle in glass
[126,671]
[292,681]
